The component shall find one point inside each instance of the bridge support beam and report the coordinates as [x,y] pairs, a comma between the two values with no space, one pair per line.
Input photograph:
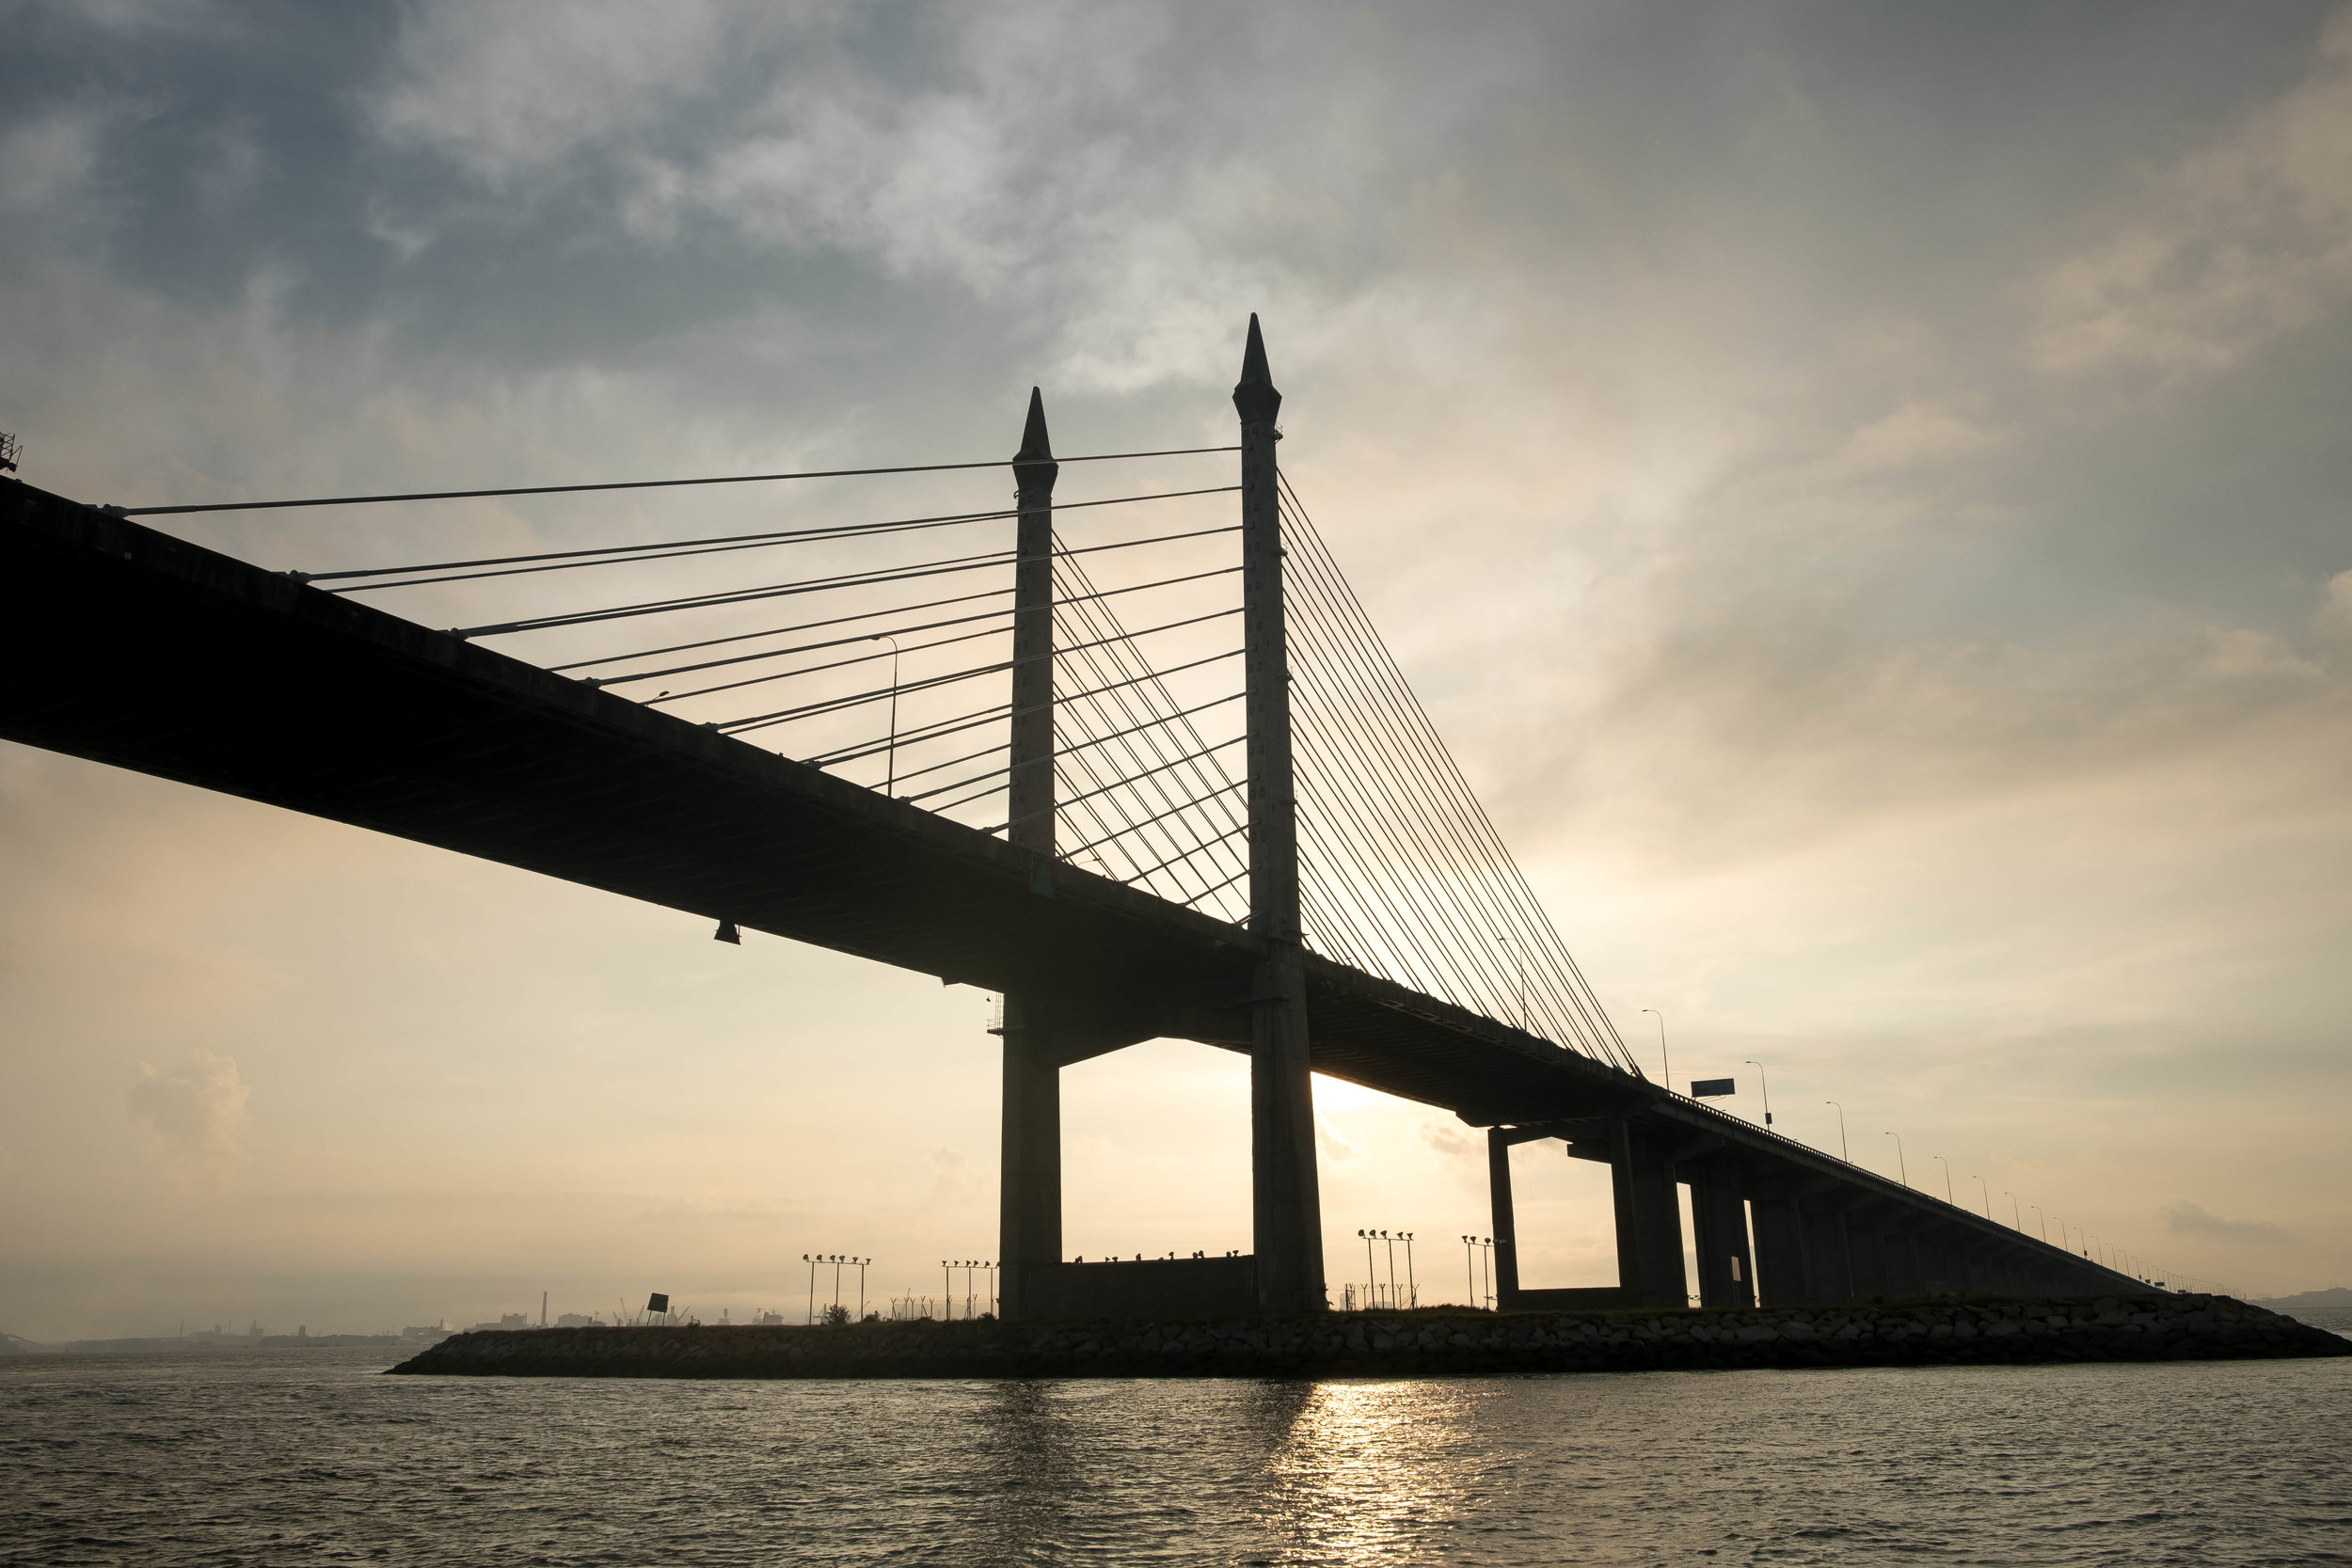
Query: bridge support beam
[1783,1275]
[1285,1194]
[1829,1251]
[1030,1192]
[1720,1220]
[1649,1221]
[1501,1217]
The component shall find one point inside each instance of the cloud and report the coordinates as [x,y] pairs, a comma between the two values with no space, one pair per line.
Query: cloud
[2237,243]
[1335,1148]
[2333,619]
[195,1112]
[504,91]
[2190,1219]
[52,158]
[1447,1139]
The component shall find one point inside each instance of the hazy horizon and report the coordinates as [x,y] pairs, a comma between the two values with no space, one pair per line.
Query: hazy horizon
[1861,489]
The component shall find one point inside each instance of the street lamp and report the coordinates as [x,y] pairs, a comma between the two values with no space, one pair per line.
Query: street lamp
[2016,1213]
[890,773]
[1763,1084]
[1842,1153]
[1372,1277]
[2045,1219]
[1391,1243]
[1947,1180]
[1413,1289]
[1666,1060]
[1470,1267]
[1987,1195]
[812,1285]
[1901,1164]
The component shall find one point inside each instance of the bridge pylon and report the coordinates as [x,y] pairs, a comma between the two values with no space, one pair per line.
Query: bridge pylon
[1284,1272]
[1029,1190]
[1286,1209]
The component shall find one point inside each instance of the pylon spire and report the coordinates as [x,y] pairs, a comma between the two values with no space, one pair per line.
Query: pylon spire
[1037,447]
[1254,397]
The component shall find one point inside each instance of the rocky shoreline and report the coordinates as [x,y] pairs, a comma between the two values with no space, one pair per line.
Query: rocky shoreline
[1927,1333]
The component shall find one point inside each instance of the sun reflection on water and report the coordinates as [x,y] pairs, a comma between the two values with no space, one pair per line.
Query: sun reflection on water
[1369,1471]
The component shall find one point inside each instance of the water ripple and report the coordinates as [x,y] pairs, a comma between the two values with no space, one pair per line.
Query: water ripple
[309,1458]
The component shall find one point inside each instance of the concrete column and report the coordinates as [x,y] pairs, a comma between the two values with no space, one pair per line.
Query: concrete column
[1902,1261]
[1649,1222]
[1867,1247]
[1782,1278]
[1028,1203]
[1829,1255]
[1286,1199]
[1726,1273]
[1029,1218]
[1505,1234]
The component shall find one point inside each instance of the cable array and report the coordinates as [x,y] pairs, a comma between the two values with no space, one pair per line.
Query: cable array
[1145,795]
[1402,873]
[886,661]
[889,658]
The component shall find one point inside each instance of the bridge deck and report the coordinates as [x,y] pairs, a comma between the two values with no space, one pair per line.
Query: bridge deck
[127,646]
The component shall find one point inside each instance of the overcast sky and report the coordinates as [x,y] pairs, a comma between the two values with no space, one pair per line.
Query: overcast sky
[1862,487]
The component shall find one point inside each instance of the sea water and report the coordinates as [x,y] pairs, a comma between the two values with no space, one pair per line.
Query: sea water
[301,1457]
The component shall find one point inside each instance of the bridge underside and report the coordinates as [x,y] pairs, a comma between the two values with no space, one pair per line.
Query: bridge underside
[126,646]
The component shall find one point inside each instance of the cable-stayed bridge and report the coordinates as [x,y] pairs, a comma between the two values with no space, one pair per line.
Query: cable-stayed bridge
[1138,760]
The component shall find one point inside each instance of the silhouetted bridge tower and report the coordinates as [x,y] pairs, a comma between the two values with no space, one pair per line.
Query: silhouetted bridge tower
[1078,844]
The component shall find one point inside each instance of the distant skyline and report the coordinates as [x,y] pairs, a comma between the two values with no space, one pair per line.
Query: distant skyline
[1861,489]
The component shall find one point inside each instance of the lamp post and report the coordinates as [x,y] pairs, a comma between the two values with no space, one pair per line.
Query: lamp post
[1390,1241]
[2015,1212]
[946,1291]
[2044,1220]
[1988,1194]
[1842,1153]
[1412,1288]
[837,1279]
[1765,1085]
[812,1285]
[1668,1062]
[861,1263]
[1486,1268]
[1372,1279]
[1947,1180]
[890,766]
[1901,1164]
[1470,1268]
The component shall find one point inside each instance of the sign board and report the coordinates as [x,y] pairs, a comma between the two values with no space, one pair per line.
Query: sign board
[1702,1087]
[656,1303]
